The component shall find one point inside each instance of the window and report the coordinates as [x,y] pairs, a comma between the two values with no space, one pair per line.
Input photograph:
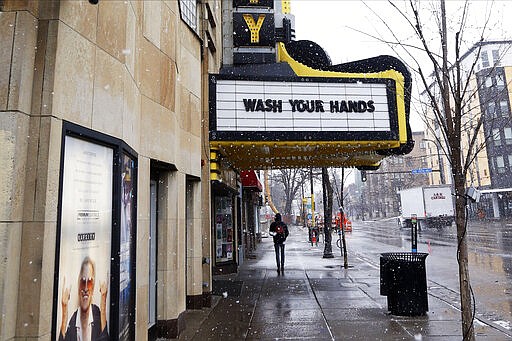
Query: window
[495,57]
[500,83]
[188,12]
[508,135]
[488,82]
[491,109]
[510,161]
[500,164]
[485,59]
[504,108]
[496,137]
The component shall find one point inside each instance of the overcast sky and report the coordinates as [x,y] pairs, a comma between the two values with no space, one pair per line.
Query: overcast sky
[350,30]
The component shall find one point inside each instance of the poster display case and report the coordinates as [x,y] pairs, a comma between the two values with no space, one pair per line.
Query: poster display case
[96,234]
[224,229]
[85,238]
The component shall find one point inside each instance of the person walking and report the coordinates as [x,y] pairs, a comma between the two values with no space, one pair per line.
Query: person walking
[279,231]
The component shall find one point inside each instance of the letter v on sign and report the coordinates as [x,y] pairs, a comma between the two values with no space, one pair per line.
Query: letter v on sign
[254,27]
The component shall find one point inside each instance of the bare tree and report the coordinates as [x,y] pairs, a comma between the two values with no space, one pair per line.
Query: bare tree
[290,180]
[449,90]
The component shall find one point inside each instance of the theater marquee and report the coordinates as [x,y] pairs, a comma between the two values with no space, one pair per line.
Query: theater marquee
[282,104]
[272,122]
[338,108]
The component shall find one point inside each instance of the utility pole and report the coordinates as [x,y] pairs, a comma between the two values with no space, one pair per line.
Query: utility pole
[327,194]
[439,160]
[304,213]
[312,205]
[343,240]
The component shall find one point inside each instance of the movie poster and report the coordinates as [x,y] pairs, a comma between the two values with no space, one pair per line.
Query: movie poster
[85,241]
[126,300]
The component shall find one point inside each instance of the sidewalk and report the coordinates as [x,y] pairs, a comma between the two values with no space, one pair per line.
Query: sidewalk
[315,299]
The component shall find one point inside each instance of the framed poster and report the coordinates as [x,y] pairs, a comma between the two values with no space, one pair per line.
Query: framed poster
[84,258]
[96,234]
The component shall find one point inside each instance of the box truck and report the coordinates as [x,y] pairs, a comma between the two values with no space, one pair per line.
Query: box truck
[432,205]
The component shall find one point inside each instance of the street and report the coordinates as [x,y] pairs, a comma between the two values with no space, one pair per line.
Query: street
[490,261]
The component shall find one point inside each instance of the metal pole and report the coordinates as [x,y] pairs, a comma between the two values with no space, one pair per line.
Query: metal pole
[441,164]
[414,234]
[304,213]
[312,206]
[343,240]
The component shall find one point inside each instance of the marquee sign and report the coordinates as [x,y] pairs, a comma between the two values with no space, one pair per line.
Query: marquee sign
[283,104]
[302,109]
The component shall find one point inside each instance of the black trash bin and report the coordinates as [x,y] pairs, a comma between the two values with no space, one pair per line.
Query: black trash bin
[403,280]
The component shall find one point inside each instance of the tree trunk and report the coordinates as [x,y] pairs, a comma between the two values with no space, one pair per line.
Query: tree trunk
[453,130]
[462,257]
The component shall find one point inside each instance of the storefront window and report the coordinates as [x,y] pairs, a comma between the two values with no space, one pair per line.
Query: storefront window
[224,232]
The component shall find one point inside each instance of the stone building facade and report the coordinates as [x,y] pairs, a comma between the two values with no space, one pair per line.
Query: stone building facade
[128,78]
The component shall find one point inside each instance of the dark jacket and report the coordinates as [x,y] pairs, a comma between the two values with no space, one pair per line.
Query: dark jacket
[96,333]
[278,238]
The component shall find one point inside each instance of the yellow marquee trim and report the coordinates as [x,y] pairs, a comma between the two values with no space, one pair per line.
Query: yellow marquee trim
[306,71]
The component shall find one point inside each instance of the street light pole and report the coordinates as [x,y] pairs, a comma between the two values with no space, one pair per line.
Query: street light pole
[439,160]
[312,207]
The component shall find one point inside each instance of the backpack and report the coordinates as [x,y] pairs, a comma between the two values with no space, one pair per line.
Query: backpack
[280,228]
[281,236]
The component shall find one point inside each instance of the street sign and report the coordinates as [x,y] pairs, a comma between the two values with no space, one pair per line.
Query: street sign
[421,171]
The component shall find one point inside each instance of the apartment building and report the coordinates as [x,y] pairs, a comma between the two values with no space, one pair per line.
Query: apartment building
[488,98]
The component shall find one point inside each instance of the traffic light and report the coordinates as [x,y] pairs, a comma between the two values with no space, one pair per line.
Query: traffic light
[363,176]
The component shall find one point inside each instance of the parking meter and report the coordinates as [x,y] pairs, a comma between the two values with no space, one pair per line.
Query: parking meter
[414,233]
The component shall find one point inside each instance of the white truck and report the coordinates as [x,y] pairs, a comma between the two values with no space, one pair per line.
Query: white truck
[432,205]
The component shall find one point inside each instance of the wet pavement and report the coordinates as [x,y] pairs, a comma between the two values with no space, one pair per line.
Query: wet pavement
[316,299]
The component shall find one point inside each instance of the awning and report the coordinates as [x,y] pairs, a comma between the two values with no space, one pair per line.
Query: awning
[495,190]
[250,180]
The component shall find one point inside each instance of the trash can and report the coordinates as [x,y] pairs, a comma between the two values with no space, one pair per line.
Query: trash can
[403,280]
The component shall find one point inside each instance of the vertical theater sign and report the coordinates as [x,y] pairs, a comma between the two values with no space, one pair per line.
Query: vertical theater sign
[281,103]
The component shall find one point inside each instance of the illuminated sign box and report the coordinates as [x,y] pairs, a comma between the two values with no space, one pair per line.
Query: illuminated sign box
[253,29]
[302,109]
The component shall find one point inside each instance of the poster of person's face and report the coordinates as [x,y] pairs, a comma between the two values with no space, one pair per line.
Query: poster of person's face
[125,256]
[85,241]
